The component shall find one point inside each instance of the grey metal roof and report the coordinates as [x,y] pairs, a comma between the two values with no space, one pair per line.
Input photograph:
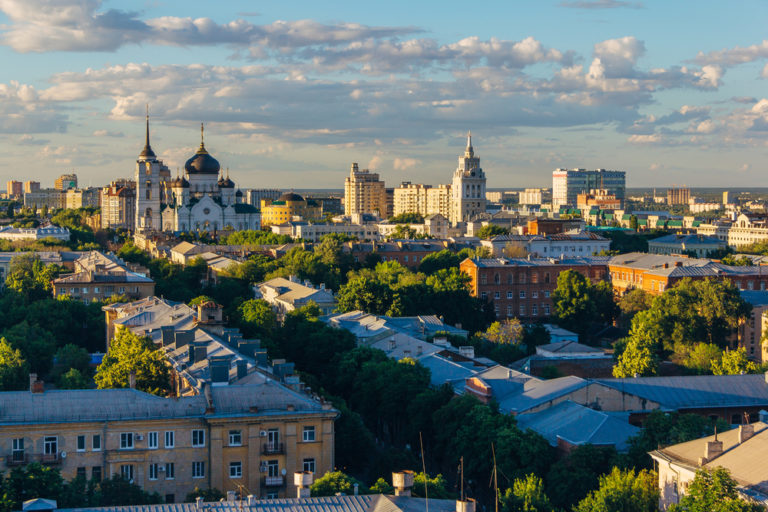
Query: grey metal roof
[690,392]
[578,425]
[755,297]
[361,503]
[539,392]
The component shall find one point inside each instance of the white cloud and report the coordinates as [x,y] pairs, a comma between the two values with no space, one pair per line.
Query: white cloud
[601,4]
[401,164]
[734,56]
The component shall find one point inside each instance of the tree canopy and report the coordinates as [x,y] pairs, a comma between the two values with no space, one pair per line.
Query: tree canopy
[131,353]
[623,491]
[713,491]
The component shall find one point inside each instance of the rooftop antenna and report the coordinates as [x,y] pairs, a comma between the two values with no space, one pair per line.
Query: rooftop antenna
[495,480]
[462,477]
[424,470]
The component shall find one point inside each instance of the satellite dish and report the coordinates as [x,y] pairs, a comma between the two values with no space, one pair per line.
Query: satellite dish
[63,455]
[284,471]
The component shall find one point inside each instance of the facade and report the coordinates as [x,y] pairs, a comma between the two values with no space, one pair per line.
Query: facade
[581,243]
[83,198]
[699,245]
[118,206]
[597,198]
[15,189]
[542,226]
[313,232]
[567,184]
[468,187]
[748,228]
[40,233]
[422,199]
[98,277]
[749,334]
[532,196]
[286,295]
[678,195]
[203,199]
[289,206]
[51,198]
[740,450]
[65,182]
[254,196]
[233,436]
[364,193]
[655,273]
[523,288]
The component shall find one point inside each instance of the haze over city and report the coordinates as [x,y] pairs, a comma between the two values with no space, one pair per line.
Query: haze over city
[291,94]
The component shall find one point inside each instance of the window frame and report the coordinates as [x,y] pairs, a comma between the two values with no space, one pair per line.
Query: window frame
[170,434]
[127,441]
[305,434]
[96,443]
[198,438]
[238,435]
[153,436]
[236,469]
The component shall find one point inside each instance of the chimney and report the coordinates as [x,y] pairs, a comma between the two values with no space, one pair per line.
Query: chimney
[356,487]
[242,368]
[251,500]
[467,505]
[303,481]
[199,503]
[167,332]
[467,351]
[261,358]
[231,496]
[402,481]
[763,415]
[35,385]
[745,432]
[132,379]
[712,450]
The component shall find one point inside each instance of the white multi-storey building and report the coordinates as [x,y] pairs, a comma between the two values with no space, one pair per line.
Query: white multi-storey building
[468,187]
[567,184]
[364,192]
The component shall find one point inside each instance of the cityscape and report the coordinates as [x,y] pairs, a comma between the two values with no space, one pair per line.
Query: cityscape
[375,260]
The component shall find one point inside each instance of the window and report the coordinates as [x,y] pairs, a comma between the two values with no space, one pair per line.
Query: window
[522,294]
[509,310]
[81,443]
[198,470]
[50,445]
[497,295]
[235,438]
[546,309]
[198,438]
[534,309]
[483,279]
[273,468]
[308,434]
[80,472]
[309,465]
[96,473]
[510,295]
[17,450]
[96,442]
[169,439]
[85,289]
[522,309]
[170,471]
[483,295]
[152,440]
[235,469]
[126,471]
[535,294]
[496,278]
[153,471]
[547,294]
[126,441]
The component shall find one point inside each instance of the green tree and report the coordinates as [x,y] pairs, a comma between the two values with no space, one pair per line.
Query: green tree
[623,491]
[381,486]
[508,331]
[733,362]
[133,254]
[73,379]
[713,491]
[490,231]
[36,344]
[256,318]
[407,218]
[526,495]
[570,479]
[435,261]
[435,486]
[335,482]
[631,303]
[14,370]
[32,481]
[699,357]
[28,276]
[200,299]
[578,303]
[208,495]
[131,353]
[119,491]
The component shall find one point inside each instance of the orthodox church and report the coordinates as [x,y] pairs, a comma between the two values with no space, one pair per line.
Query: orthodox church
[202,199]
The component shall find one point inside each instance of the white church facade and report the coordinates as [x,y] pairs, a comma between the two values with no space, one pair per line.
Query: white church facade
[202,199]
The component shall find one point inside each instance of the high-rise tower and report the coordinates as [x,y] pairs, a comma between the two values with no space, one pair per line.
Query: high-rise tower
[468,186]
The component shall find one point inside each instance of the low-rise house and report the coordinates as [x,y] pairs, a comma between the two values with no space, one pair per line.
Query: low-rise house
[99,276]
[568,425]
[568,358]
[286,295]
[559,245]
[369,328]
[558,334]
[700,245]
[228,438]
[742,451]
[40,233]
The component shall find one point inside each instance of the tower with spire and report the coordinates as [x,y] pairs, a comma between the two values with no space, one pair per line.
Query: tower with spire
[150,174]
[468,186]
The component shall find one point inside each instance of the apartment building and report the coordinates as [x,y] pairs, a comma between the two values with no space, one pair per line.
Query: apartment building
[523,287]
[364,192]
[230,437]
[655,273]
[422,199]
[567,184]
[15,189]
[748,228]
[118,206]
[65,182]
[51,198]
[99,276]
[581,243]
[286,295]
[31,186]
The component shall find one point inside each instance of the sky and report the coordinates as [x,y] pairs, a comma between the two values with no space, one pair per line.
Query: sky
[293,92]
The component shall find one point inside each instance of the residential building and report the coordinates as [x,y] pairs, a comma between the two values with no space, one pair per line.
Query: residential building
[64,259]
[329,205]
[364,192]
[31,186]
[581,243]
[15,189]
[51,198]
[747,229]
[39,233]
[598,198]
[408,253]
[749,334]
[313,232]
[567,184]
[65,182]
[699,245]
[523,287]
[229,437]
[254,196]
[422,199]
[742,451]
[680,195]
[289,206]
[549,226]
[655,273]
[369,328]
[118,206]
[99,276]
[468,187]
[531,196]
[286,295]
[83,198]
[567,357]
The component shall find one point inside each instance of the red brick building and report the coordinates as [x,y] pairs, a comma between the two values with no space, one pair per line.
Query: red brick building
[522,288]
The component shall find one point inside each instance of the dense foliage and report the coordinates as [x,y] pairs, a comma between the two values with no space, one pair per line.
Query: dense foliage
[130,353]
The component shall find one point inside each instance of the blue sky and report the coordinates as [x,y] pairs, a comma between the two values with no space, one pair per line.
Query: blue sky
[293,92]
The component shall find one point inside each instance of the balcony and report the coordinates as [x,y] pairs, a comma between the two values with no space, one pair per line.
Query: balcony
[272,448]
[272,481]
[21,458]
[16,459]
[50,458]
